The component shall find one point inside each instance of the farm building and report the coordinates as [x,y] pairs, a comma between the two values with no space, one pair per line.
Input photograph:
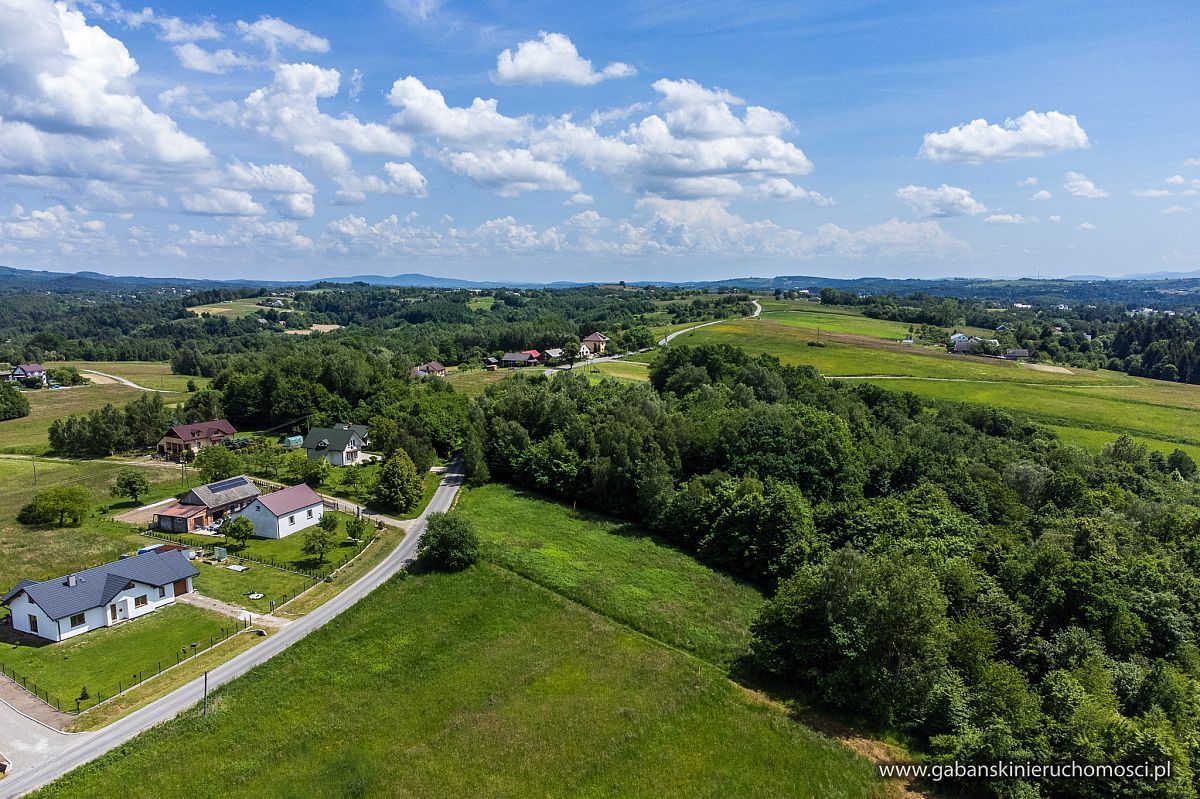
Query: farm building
[204,505]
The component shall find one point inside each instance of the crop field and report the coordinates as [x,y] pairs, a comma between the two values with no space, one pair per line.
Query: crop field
[616,569]
[480,684]
[38,553]
[29,434]
[151,374]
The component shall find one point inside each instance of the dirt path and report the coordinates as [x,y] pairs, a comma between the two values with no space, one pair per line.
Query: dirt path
[15,698]
[232,611]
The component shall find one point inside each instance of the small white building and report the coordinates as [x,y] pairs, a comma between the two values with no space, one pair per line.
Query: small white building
[102,596]
[281,513]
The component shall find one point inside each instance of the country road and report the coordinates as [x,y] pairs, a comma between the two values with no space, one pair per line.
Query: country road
[670,336]
[124,381]
[80,748]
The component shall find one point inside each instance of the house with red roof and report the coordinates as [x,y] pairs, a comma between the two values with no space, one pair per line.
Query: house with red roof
[283,512]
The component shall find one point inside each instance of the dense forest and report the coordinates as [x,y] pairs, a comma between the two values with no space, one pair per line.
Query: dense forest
[951,572]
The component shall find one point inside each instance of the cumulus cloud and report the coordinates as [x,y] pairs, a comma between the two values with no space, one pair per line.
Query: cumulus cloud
[1086,226]
[512,172]
[170,29]
[1078,185]
[268,177]
[1176,180]
[553,58]
[782,189]
[215,62]
[944,201]
[578,198]
[295,206]
[67,106]
[1042,194]
[1030,135]
[62,229]
[425,111]
[273,33]
[221,202]
[1029,181]
[1009,219]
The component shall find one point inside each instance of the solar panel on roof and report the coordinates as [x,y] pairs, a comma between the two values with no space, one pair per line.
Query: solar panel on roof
[225,485]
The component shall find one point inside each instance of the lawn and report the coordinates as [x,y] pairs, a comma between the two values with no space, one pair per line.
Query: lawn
[151,374]
[616,569]
[30,434]
[38,553]
[630,371]
[481,303]
[284,552]
[474,381]
[275,585]
[479,684]
[106,659]
[336,488]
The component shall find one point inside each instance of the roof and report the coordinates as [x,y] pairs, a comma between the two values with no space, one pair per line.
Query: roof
[335,439]
[553,352]
[432,366]
[290,500]
[531,353]
[597,336]
[178,511]
[30,367]
[96,586]
[202,430]
[222,492]
[515,356]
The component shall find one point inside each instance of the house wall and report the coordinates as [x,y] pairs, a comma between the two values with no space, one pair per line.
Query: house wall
[267,525]
[21,608]
[94,618]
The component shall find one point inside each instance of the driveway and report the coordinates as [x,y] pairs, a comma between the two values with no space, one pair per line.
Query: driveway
[27,743]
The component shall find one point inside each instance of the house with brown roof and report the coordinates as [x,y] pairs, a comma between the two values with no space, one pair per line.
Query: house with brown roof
[283,512]
[191,438]
[25,371]
[435,368]
[593,345]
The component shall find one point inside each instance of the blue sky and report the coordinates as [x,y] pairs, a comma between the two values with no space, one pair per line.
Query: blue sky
[600,141]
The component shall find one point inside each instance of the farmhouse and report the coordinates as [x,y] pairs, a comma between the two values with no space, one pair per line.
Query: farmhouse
[25,371]
[1013,354]
[102,596]
[339,446]
[281,513]
[593,345]
[552,355]
[363,431]
[191,438]
[511,359]
[435,368]
[204,505]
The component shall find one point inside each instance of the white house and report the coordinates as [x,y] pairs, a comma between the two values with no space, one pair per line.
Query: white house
[341,446]
[281,513]
[102,596]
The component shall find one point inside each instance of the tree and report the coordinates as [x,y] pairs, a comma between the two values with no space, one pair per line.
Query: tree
[130,483]
[67,502]
[13,403]
[398,487]
[217,463]
[357,528]
[203,406]
[319,539]
[354,480]
[312,471]
[1183,463]
[237,529]
[449,543]
[146,417]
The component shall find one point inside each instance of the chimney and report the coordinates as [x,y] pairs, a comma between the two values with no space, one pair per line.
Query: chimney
[70,581]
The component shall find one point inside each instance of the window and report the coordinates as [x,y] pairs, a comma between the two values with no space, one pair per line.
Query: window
[162,591]
[291,520]
[310,513]
[77,620]
[141,601]
[32,623]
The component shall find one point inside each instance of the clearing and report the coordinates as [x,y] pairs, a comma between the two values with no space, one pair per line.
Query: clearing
[150,374]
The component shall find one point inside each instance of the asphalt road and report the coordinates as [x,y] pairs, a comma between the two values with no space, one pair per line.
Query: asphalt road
[664,342]
[86,747]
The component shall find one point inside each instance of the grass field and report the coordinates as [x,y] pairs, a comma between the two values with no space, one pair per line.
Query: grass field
[334,486]
[39,553]
[104,660]
[474,381]
[151,374]
[481,303]
[287,552]
[1095,440]
[479,684]
[234,309]
[236,587]
[631,371]
[840,319]
[29,433]
[616,569]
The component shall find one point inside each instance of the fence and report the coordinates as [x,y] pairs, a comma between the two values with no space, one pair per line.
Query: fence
[88,699]
[205,543]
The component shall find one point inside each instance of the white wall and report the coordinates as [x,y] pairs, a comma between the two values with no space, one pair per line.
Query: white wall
[21,608]
[267,525]
[94,618]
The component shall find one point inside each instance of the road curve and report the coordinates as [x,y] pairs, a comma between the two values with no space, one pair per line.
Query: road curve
[667,340]
[86,747]
[124,381]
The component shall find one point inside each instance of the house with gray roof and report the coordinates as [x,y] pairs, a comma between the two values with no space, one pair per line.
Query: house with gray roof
[205,505]
[339,446]
[101,596]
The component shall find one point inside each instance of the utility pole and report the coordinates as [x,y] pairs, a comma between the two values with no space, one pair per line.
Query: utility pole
[35,469]
[206,693]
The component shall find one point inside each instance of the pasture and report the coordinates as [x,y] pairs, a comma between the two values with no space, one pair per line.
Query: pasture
[234,309]
[480,684]
[150,374]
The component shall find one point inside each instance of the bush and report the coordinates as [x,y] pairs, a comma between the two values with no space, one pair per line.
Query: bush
[450,543]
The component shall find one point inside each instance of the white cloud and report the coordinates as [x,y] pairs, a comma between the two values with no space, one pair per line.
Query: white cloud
[782,189]
[295,206]
[279,178]
[511,172]
[1009,219]
[1041,194]
[425,111]
[1151,192]
[273,33]
[356,84]
[170,29]
[416,10]
[221,202]
[1192,162]
[251,233]
[579,198]
[67,103]
[552,58]
[58,228]
[1086,226]
[1176,180]
[215,62]
[1078,185]
[944,201]
[1030,135]
[406,178]
[1029,181]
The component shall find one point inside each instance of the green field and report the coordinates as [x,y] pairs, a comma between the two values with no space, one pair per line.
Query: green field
[106,659]
[234,309]
[39,553]
[631,371]
[235,587]
[840,319]
[287,552]
[335,487]
[481,303]
[479,684]
[29,434]
[151,374]
[616,569]
[474,381]
[1095,440]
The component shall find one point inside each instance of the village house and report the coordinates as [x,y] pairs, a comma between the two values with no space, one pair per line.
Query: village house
[340,446]
[434,368]
[205,505]
[183,439]
[1013,354]
[593,345]
[491,364]
[102,596]
[514,359]
[281,513]
[25,371]
[552,355]
[362,430]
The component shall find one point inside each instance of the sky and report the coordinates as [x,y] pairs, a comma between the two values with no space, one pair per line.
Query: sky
[584,141]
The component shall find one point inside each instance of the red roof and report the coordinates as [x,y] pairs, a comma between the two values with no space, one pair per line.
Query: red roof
[531,353]
[181,511]
[202,430]
[290,500]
